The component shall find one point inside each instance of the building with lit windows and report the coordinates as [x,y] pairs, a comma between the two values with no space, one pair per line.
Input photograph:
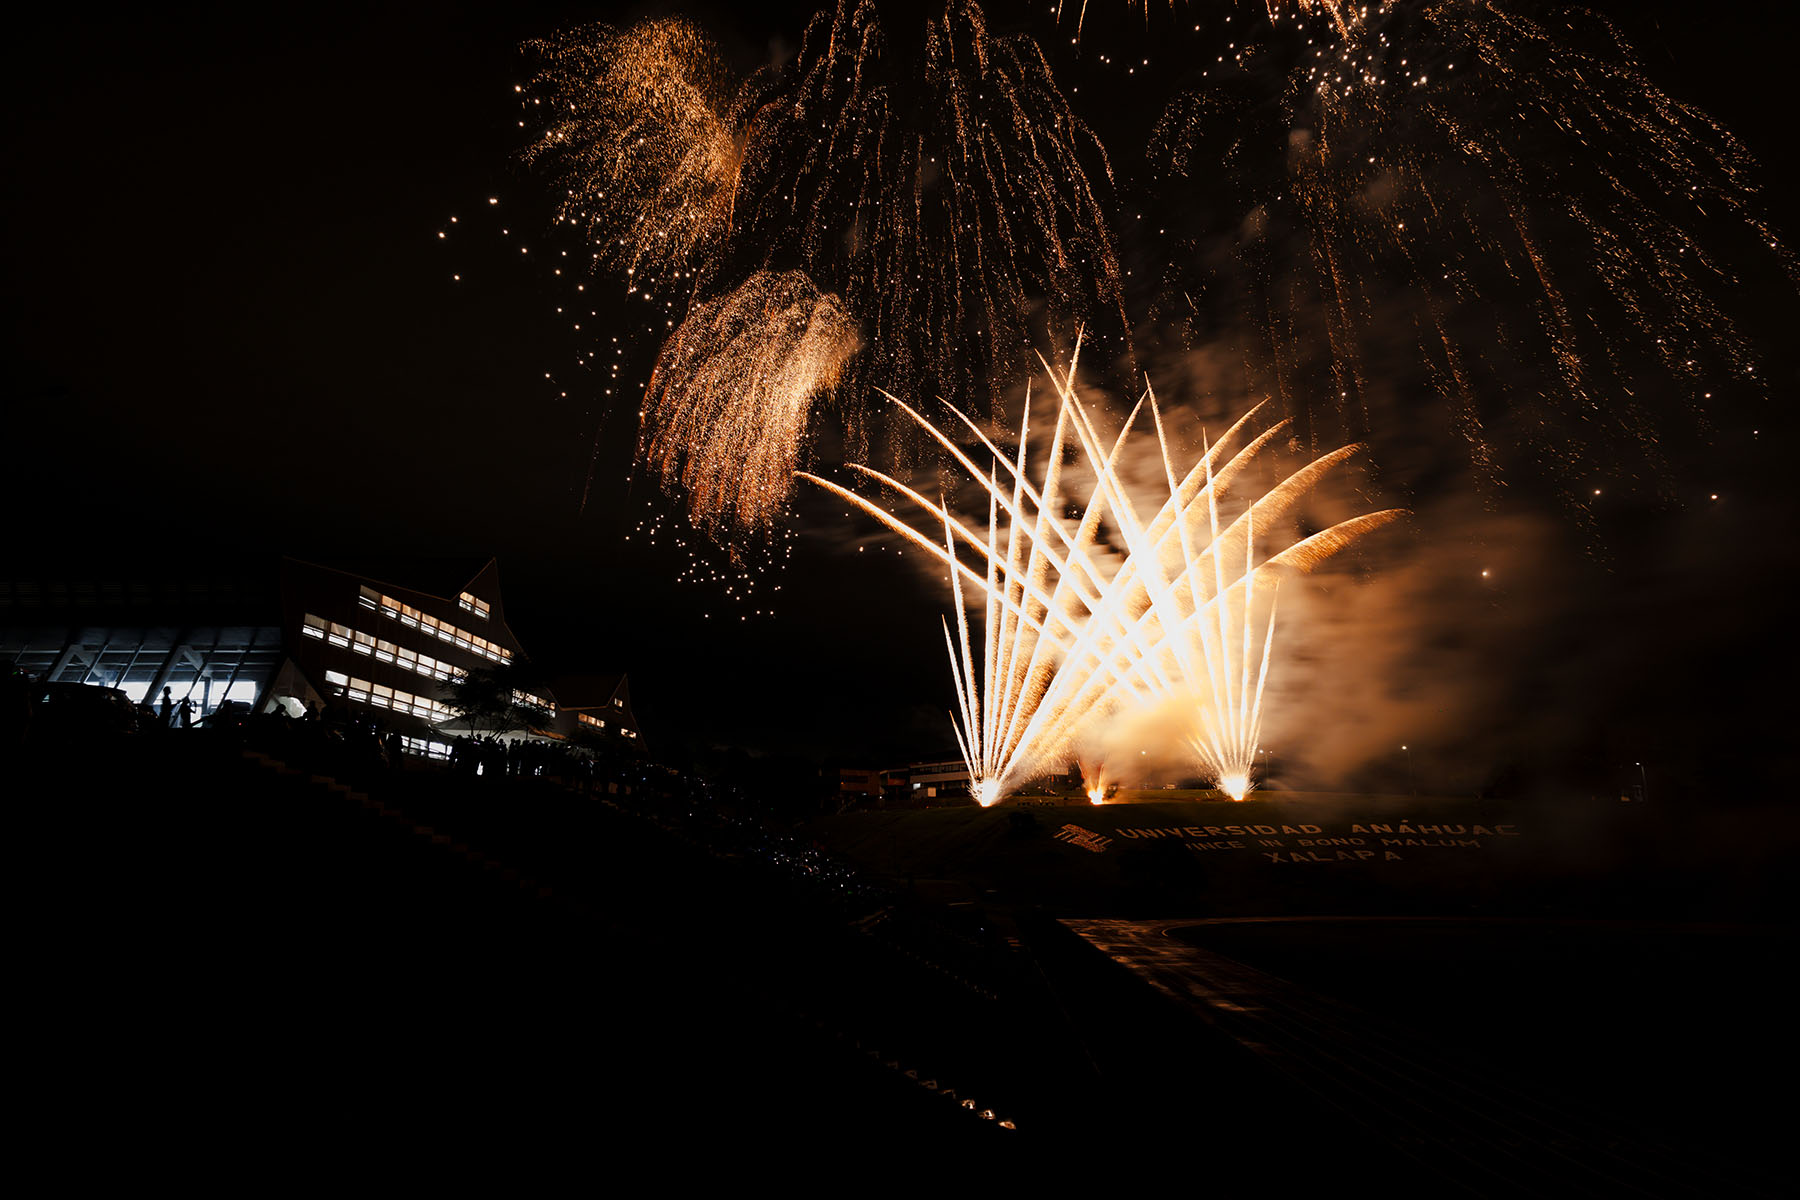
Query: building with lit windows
[207,635]
[941,779]
[298,637]
[379,649]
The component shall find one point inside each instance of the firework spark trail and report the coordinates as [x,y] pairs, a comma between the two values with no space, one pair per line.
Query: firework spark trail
[1459,162]
[1343,14]
[1068,643]
[637,136]
[733,390]
[932,178]
[938,189]
[1094,781]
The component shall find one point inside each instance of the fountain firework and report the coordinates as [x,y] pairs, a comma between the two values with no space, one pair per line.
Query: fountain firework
[1094,782]
[1113,613]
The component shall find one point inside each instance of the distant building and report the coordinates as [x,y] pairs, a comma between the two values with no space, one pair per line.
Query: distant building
[854,781]
[595,705]
[372,645]
[939,779]
[857,785]
[298,636]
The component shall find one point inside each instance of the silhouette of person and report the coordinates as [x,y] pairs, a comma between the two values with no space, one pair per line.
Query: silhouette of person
[186,709]
[168,707]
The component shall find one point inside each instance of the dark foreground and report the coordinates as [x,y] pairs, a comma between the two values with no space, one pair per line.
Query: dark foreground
[263,975]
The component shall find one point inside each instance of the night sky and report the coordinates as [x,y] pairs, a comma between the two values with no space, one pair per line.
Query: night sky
[232,327]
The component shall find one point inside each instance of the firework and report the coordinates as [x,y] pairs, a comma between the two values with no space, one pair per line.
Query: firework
[635,133]
[1094,782]
[1454,205]
[1343,14]
[1078,629]
[932,179]
[729,401]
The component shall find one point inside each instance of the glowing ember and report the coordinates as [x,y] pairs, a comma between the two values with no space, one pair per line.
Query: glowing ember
[1343,13]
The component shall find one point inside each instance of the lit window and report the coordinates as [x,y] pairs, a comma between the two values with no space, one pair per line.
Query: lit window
[365,643]
[369,598]
[314,626]
[337,677]
[339,635]
[385,650]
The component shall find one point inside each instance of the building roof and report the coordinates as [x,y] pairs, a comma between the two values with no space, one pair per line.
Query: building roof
[590,691]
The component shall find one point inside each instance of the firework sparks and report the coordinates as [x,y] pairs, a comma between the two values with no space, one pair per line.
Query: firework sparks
[1069,641]
[934,181]
[1343,14]
[1458,163]
[728,403]
[1093,778]
[635,132]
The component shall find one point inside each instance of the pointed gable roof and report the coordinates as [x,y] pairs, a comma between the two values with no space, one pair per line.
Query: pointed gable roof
[486,586]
